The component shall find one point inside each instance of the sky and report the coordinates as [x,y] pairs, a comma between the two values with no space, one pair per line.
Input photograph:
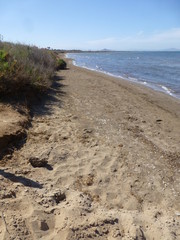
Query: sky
[92,24]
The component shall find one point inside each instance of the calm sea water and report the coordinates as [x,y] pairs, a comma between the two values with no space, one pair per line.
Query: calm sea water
[158,70]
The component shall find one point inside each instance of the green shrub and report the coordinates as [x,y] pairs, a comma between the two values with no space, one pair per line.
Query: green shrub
[3,62]
[25,68]
[3,56]
[61,64]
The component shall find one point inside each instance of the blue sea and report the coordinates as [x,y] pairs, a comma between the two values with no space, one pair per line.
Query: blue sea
[158,70]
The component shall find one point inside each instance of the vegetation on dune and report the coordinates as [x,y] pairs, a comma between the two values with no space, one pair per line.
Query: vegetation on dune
[25,69]
[61,64]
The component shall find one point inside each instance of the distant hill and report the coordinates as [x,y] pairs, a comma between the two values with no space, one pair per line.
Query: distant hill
[106,50]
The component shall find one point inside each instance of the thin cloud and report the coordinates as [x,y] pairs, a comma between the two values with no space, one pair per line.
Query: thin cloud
[158,40]
[172,34]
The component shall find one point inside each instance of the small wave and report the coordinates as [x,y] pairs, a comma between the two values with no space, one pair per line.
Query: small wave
[74,62]
[169,91]
[132,79]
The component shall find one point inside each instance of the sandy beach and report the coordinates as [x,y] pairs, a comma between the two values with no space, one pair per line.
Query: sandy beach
[113,172]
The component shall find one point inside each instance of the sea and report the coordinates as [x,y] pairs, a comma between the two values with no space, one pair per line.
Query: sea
[157,70]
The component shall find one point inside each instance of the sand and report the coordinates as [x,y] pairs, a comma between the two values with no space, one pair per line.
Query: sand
[113,151]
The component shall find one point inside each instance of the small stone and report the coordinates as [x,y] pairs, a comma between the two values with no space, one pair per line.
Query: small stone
[120,145]
[159,120]
[36,162]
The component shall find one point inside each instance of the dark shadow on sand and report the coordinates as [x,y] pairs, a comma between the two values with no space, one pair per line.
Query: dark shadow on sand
[25,181]
[38,103]
[43,104]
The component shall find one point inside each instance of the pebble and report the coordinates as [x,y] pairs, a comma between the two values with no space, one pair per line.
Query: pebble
[36,162]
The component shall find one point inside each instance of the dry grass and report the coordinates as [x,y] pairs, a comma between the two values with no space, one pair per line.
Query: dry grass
[24,69]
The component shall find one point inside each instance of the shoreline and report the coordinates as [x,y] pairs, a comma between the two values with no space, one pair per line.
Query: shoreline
[157,88]
[160,98]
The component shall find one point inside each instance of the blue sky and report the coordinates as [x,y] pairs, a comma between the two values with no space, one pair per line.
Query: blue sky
[92,24]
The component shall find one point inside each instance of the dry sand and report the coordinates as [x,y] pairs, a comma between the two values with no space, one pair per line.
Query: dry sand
[113,171]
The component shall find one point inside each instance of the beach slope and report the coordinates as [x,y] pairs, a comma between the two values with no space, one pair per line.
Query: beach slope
[113,171]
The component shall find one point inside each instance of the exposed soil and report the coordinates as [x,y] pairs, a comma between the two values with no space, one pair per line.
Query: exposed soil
[13,125]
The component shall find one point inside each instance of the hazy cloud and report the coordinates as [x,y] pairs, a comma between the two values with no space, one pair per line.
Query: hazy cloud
[157,40]
[172,34]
